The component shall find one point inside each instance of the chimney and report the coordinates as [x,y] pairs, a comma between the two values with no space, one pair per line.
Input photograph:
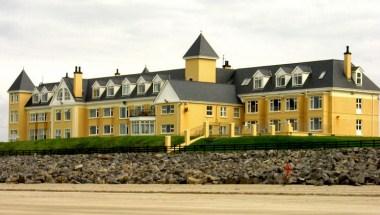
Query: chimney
[117,72]
[347,63]
[226,65]
[77,82]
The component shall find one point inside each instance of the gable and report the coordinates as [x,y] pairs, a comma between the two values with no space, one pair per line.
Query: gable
[167,94]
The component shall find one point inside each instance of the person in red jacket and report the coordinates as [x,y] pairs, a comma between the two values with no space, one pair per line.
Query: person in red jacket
[288,168]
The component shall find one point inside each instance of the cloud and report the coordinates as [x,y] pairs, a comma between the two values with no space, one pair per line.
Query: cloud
[50,37]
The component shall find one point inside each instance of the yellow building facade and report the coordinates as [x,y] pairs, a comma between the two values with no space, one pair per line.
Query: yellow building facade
[327,97]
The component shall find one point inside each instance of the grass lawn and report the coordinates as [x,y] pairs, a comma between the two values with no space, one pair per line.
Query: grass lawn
[89,143]
[279,139]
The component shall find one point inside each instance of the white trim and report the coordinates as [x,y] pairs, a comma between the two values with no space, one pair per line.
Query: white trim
[142,118]
[200,56]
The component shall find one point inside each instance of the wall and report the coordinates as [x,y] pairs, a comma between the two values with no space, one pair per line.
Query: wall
[203,70]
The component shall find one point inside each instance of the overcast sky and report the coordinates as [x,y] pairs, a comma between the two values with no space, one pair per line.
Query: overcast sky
[49,38]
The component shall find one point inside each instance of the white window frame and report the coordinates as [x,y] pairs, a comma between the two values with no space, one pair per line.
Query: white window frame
[272,105]
[126,112]
[359,105]
[65,114]
[167,109]
[167,128]
[35,98]
[258,81]
[277,124]
[312,124]
[288,108]
[125,89]
[313,105]
[96,113]
[294,123]
[223,112]
[110,129]
[66,94]
[156,87]
[223,130]
[279,80]
[60,95]
[109,89]
[58,134]
[96,130]
[359,78]
[60,114]
[359,127]
[209,110]
[41,117]
[253,106]
[110,112]
[67,131]
[236,112]
[33,117]
[96,92]
[126,129]
[245,82]
[13,117]
[139,92]
[295,77]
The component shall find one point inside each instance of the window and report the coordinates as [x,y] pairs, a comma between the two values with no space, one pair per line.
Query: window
[236,112]
[253,106]
[33,117]
[156,87]
[277,124]
[275,105]
[359,78]
[13,136]
[209,110]
[96,93]
[141,89]
[33,134]
[67,114]
[291,104]
[297,79]
[94,113]
[58,115]
[293,123]
[44,97]
[13,98]
[223,130]
[223,111]
[315,102]
[67,94]
[322,75]
[123,129]
[257,83]
[108,112]
[315,124]
[94,130]
[13,117]
[167,109]
[110,91]
[60,95]
[167,129]
[41,134]
[125,90]
[58,133]
[36,98]
[145,127]
[358,105]
[67,133]
[280,81]
[250,123]
[108,129]
[123,112]
[359,127]
[41,117]
[245,82]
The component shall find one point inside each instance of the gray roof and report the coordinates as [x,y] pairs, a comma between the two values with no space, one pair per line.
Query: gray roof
[207,92]
[334,77]
[201,48]
[22,82]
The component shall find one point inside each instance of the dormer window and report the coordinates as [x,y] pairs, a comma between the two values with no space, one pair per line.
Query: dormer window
[156,87]
[141,89]
[110,91]
[60,95]
[245,82]
[359,78]
[297,79]
[257,82]
[126,89]
[280,81]
[36,98]
[95,93]
[67,94]
[45,97]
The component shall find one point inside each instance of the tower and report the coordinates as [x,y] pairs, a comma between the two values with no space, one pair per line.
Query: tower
[200,61]
[19,94]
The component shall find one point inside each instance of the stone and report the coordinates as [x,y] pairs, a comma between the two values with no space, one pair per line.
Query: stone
[78,167]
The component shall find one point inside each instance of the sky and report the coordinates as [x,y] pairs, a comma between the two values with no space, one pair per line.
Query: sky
[49,38]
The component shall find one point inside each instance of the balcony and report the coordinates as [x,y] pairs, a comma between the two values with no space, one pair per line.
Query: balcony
[141,112]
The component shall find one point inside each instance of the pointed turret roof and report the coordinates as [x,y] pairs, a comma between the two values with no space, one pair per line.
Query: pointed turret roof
[145,70]
[22,83]
[201,48]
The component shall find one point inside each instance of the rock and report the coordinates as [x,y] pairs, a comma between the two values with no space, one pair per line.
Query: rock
[78,167]
[192,180]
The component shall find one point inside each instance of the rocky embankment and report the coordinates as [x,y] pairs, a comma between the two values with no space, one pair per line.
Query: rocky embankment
[318,167]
